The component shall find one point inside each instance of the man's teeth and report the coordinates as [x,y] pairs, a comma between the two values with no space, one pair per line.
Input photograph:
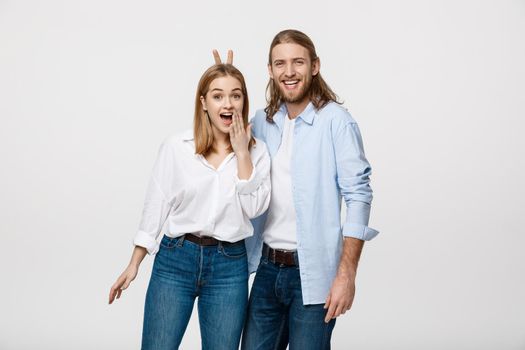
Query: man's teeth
[290,82]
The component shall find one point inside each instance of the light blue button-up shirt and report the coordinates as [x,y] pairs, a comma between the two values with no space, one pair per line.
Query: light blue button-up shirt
[328,163]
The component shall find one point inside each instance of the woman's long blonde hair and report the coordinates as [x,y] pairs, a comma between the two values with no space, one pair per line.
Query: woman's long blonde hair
[202,129]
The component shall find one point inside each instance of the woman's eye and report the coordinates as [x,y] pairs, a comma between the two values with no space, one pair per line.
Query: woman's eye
[237,97]
[217,97]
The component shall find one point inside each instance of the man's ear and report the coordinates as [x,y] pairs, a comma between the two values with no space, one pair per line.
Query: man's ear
[316,66]
[270,72]
[203,101]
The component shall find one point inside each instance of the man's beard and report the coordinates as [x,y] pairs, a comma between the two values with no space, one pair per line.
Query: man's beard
[294,99]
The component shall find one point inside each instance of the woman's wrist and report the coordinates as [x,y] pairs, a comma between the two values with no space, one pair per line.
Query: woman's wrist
[242,155]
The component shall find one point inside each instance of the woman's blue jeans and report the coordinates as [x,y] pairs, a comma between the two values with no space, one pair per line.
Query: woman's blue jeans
[182,271]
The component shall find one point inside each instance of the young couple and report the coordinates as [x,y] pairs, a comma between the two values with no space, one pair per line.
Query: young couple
[208,183]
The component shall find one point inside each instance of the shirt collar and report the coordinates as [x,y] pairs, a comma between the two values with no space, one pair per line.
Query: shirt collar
[307,115]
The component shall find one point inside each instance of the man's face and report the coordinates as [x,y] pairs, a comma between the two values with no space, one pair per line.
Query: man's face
[291,71]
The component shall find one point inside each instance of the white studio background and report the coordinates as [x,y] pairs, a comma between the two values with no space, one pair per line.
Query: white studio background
[89,89]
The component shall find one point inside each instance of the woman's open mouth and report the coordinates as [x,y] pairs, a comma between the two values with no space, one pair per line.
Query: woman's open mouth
[226,118]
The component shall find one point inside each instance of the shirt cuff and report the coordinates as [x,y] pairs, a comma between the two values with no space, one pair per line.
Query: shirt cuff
[248,186]
[144,240]
[359,231]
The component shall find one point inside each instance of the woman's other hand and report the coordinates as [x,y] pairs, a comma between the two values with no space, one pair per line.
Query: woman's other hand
[122,282]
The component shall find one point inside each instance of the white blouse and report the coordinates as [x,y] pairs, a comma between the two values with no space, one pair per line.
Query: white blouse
[186,194]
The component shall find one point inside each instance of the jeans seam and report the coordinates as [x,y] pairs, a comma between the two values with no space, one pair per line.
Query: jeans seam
[326,338]
[279,335]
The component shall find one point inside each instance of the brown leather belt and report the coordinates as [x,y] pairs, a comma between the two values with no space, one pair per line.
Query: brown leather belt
[204,240]
[280,257]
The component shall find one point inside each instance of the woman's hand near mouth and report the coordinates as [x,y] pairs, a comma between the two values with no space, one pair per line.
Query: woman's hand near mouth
[240,139]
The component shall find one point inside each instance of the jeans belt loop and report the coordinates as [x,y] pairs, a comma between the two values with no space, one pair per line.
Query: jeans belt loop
[180,243]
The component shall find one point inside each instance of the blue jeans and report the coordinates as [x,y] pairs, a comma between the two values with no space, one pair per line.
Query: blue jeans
[183,271]
[277,316]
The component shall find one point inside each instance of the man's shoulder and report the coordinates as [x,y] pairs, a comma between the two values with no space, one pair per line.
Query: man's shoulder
[336,113]
[259,124]
[259,118]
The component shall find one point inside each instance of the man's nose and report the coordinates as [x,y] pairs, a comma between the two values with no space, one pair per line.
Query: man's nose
[289,70]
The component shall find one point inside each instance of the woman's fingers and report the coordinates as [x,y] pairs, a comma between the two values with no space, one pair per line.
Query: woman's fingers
[122,283]
[238,124]
[249,131]
[233,127]
[241,122]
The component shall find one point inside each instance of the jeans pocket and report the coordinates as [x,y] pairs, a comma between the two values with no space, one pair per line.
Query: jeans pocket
[169,242]
[233,251]
[264,260]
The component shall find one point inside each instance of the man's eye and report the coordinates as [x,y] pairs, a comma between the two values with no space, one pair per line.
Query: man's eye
[279,64]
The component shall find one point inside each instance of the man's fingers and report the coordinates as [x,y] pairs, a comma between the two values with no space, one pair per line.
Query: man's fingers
[330,312]
[217,57]
[327,303]
[338,311]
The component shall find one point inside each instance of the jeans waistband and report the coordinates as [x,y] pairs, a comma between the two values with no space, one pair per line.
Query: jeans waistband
[280,257]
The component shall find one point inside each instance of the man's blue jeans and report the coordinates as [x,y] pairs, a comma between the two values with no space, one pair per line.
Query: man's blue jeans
[277,316]
[183,271]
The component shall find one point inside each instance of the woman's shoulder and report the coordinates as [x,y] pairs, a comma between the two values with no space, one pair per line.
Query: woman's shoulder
[179,138]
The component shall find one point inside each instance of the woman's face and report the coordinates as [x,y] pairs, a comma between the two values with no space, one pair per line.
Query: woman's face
[224,98]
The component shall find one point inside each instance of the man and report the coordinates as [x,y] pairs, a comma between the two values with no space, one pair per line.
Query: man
[306,274]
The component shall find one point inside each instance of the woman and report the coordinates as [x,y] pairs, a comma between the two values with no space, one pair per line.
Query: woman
[205,186]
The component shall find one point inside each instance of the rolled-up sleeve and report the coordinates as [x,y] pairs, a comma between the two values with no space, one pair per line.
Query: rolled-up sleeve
[156,205]
[353,178]
[254,193]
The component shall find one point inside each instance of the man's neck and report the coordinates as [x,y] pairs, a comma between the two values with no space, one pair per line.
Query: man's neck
[294,109]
